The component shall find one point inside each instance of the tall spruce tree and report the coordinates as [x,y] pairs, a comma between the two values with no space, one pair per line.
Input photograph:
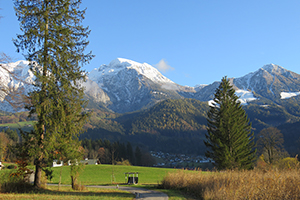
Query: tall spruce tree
[55,41]
[229,138]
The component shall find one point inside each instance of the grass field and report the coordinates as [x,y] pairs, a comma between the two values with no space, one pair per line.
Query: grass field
[100,175]
[65,193]
[25,126]
[103,174]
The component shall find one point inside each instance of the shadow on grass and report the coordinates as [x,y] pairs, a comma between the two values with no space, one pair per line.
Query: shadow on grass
[84,193]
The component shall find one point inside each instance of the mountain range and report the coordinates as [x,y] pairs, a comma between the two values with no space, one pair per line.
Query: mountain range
[135,102]
[126,86]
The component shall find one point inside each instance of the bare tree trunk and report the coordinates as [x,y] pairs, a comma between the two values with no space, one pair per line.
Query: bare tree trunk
[38,175]
[74,180]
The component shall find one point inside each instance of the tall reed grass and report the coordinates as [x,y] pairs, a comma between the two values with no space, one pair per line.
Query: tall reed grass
[231,185]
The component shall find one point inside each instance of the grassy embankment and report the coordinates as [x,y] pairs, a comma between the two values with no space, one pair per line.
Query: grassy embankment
[231,185]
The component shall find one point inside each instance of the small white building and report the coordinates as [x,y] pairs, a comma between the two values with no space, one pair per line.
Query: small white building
[1,165]
[57,163]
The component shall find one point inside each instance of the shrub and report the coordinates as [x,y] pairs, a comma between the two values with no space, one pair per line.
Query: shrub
[124,162]
[18,180]
[48,173]
[10,183]
[288,163]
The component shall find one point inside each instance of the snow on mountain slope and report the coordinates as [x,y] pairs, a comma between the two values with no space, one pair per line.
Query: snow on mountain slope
[287,95]
[115,66]
[244,97]
[17,77]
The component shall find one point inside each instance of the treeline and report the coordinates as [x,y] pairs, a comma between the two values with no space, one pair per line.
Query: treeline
[116,153]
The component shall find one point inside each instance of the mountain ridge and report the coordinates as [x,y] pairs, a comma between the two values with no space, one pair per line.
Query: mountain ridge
[126,86]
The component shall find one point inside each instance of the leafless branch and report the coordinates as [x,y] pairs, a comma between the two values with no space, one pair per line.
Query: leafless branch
[14,96]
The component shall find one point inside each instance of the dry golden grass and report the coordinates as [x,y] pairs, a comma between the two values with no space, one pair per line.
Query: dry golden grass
[231,185]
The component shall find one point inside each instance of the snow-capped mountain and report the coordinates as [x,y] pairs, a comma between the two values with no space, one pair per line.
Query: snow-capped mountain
[120,64]
[125,85]
[131,86]
[270,82]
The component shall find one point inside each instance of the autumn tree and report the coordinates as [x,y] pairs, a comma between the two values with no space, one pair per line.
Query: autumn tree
[229,139]
[270,142]
[4,142]
[54,41]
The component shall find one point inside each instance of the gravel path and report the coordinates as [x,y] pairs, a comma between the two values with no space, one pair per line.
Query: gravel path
[140,193]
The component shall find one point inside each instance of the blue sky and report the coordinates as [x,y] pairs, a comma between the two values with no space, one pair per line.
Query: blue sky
[195,41]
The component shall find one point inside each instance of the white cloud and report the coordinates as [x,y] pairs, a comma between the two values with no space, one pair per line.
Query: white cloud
[163,66]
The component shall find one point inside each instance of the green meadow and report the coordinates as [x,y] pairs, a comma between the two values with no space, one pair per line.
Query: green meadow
[25,126]
[149,177]
[111,174]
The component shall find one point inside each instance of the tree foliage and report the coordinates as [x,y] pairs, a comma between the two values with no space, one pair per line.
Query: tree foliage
[229,136]
[54,41]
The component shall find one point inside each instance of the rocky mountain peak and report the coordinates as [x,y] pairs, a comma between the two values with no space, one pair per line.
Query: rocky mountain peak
[274,69]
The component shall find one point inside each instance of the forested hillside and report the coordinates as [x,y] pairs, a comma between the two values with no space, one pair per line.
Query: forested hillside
[170,126]
[178,126]
[171,118]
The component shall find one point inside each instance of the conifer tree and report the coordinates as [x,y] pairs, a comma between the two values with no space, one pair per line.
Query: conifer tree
[54,41]
[229,138]
[130,155]
[138,156]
